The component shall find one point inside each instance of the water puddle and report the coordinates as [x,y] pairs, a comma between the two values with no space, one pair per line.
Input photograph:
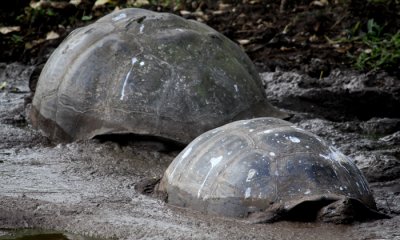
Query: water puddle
[36,234]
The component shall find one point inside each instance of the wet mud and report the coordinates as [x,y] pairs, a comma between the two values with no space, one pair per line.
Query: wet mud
[38,234]
[87,187]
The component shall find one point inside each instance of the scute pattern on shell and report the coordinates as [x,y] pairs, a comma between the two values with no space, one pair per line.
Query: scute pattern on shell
[259,164]
[142,72]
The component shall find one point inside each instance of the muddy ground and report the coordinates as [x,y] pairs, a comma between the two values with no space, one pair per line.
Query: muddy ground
[88,187]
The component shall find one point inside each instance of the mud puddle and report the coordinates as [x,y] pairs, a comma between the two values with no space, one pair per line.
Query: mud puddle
[38,234]
[87,188]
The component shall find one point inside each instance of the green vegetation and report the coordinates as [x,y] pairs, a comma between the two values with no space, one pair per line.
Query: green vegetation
[382,49]
[32,15]
[164,3]
[87,18]
[375,49]
[386,2]
[16,39]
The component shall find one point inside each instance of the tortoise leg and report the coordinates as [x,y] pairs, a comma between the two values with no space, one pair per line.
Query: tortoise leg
[273,214]
[339,212]
[347,210]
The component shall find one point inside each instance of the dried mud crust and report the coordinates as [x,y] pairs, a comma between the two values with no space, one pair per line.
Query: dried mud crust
[88,187]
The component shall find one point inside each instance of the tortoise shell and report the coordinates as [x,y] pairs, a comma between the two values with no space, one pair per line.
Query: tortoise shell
[261,165]
[142,72]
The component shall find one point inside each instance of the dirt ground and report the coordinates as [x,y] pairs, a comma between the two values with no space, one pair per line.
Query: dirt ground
[88,187]
[314,37]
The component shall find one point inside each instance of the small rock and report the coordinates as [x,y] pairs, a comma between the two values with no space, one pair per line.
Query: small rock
[381,126]
[379,167]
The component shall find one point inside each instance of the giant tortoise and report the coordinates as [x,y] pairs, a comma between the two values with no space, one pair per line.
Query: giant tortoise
[266,169]
[146,73]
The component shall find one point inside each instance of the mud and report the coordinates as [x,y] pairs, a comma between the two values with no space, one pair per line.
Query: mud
[38,234]
[343,95]
[87,187]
